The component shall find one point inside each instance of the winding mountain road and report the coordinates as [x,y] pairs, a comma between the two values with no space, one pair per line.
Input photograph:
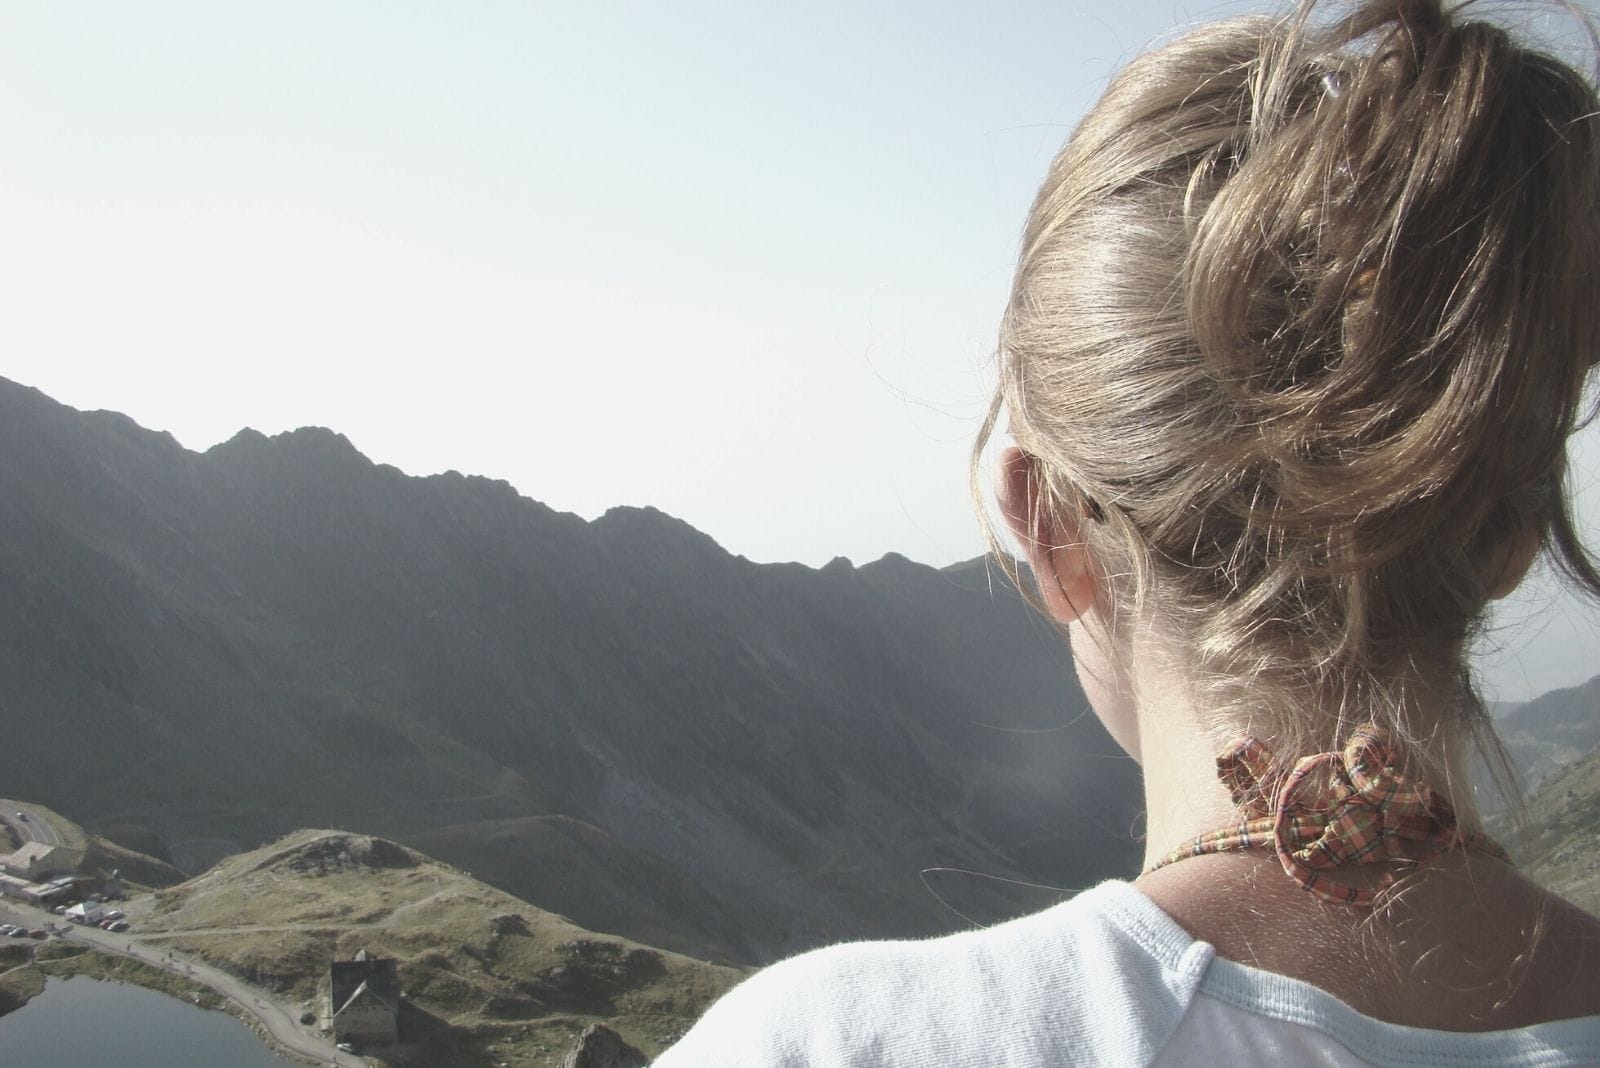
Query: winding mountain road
[29,825]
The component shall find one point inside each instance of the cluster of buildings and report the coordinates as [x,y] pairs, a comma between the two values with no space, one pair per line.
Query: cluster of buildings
[364,993]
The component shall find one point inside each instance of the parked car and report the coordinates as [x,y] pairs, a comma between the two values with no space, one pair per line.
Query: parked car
[116,914]
[37,933]
[17,932]
[117,926]
[7,928]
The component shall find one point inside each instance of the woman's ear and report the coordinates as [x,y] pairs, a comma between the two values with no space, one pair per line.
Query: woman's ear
[1051,543]
[1519,557]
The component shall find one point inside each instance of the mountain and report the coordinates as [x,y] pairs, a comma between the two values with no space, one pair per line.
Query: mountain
[662,740]
[1560,827]
[1552,730]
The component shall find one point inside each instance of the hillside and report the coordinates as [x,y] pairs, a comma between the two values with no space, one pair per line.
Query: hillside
[488,978]
[1553,729]
[207,650]
[101,857]
[1563,824]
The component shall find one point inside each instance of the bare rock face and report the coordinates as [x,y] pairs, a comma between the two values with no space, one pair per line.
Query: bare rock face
[380,853]
[601,1047]
[339,852]
[508,923]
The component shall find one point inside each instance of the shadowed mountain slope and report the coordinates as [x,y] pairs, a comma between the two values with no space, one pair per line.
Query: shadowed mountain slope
[1562,826]
[1552,730]
[207,650]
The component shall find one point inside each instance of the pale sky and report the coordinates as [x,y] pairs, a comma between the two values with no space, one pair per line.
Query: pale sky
[741,261]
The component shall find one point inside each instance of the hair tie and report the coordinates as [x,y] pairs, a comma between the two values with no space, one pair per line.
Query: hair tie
[1333,810]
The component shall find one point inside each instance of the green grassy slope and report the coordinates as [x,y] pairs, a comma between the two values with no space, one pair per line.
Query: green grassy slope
[488,978]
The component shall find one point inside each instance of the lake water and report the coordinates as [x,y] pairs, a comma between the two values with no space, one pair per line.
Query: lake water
[87,1023]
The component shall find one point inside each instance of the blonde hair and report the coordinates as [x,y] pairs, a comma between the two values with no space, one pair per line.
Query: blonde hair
[1302,322]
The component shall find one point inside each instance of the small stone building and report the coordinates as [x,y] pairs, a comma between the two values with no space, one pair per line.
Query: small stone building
[364,999]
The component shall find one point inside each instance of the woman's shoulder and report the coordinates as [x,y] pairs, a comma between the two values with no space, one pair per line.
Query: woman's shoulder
[1098,978]
[1108,978]
[1462,945]
[1468,963]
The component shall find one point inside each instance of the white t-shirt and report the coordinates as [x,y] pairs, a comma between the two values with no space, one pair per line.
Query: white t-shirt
[1104,979]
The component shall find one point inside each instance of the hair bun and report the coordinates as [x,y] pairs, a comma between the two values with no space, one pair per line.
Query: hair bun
[1368,282]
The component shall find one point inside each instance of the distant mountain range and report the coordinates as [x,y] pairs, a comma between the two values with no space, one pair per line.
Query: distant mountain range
[615,720]
[1552,730]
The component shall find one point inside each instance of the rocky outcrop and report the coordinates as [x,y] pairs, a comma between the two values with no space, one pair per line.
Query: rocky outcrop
[601,1047]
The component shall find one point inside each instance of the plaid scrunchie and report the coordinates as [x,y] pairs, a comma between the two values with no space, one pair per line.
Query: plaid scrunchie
[1359,810]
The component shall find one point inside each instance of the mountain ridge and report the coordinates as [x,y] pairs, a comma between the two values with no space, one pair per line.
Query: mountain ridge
[279,632]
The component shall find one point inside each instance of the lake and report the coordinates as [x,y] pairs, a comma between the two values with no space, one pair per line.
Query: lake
[88,1023]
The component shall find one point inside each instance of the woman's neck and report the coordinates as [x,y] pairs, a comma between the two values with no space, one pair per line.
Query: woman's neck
[1177,756]
[1178,745]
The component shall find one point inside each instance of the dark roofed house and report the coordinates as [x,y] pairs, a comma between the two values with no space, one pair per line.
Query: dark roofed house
[364,999]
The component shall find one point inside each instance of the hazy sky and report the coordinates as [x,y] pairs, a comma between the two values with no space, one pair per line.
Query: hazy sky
[741,261]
